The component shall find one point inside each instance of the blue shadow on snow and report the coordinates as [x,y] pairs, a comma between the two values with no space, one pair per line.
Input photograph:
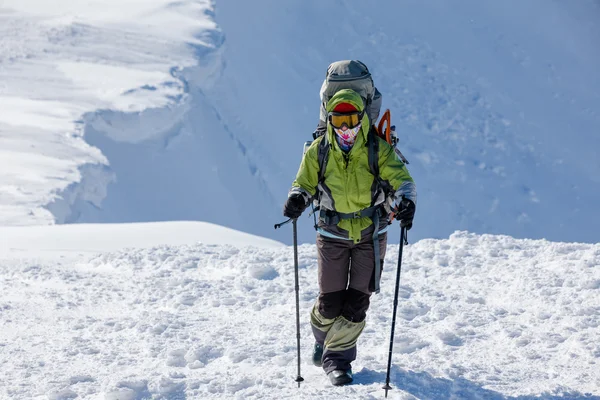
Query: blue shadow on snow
[424,386]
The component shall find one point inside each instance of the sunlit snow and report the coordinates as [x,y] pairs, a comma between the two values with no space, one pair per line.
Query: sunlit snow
[146,149]
[479,317]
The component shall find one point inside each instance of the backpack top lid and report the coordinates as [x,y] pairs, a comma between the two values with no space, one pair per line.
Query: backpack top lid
[354,75]
[347,70]
[348,74]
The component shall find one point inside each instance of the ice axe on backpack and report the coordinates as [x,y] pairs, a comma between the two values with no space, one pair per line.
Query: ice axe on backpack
[387,132]
[384,128]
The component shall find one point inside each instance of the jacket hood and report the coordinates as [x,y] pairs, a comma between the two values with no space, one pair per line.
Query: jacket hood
[351,97]
[346,96]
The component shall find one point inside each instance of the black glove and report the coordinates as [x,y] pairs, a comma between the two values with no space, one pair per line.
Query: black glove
[294,205]
[405,212]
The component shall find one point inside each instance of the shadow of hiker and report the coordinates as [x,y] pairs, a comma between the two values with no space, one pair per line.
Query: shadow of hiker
[424,386]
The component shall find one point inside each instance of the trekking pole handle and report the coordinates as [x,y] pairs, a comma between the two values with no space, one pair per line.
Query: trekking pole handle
[277,226]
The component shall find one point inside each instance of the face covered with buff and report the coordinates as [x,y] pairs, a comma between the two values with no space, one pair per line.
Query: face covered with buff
[346,137]
[345,120]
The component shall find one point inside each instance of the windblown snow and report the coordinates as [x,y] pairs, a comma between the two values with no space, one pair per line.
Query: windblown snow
[479,317]
[67,68]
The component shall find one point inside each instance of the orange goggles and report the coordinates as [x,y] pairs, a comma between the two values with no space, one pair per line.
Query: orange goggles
[351,120]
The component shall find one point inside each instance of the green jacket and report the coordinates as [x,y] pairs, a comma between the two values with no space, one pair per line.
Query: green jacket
[348,181]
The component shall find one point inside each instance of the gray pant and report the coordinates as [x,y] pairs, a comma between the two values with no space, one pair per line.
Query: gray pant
[346,281]
[344,264]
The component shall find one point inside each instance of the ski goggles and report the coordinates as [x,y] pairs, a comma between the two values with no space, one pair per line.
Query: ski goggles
[351,120]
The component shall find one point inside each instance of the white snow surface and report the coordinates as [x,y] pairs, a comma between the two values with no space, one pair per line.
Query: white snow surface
[137,111]
[479,317]
[47,241]
[61,60]
[196,110]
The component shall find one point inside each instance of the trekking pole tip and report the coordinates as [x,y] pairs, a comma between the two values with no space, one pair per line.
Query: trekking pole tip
[386,388]
[299,379]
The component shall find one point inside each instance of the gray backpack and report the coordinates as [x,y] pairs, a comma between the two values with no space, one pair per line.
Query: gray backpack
[350,74]
[353,74]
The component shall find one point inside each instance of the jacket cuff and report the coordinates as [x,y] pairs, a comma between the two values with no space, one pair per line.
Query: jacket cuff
[407,190]
[304,193]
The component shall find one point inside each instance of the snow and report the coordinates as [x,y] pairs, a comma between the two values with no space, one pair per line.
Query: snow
[46,241]
[146,148]
[61,61]
[141,111]
[493,101]
[479,316]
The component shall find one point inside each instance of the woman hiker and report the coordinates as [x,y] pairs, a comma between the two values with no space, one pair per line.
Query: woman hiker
[358,181]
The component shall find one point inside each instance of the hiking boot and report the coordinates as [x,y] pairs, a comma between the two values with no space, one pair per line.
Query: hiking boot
[317,355]
[339,377]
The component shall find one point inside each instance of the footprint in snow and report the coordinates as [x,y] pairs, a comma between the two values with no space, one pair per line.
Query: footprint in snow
[198,357]
[262,272]
[410,312]
[65,394]
[80,379]
[128,390]
[176,358]
[450,339]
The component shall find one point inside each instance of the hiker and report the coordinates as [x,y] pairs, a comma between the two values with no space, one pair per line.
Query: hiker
[358,181]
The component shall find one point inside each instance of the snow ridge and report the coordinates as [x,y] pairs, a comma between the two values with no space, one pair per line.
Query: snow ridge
[62,64]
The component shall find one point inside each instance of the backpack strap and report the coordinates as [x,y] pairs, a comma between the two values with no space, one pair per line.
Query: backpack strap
[373,144]
[323,156]
[378,184]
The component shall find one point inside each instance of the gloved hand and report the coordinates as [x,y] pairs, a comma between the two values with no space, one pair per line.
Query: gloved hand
[405,212]
[294,206]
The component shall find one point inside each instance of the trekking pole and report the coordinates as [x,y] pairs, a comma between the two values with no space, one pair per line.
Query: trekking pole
[387,379]
[294,224]
[297,288]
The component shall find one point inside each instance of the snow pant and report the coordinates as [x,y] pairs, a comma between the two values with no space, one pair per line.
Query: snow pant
[346,281]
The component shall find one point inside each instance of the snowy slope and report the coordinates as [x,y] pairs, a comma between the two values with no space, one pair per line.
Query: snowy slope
[136,111]
[480,317]
[496,103]
[50,241]
[61,64]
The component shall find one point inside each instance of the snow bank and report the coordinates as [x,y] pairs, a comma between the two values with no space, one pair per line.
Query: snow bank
[479,317]
[62,60]
[108,120]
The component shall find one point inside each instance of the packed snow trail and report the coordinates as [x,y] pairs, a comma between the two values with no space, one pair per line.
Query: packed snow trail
[479,317]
